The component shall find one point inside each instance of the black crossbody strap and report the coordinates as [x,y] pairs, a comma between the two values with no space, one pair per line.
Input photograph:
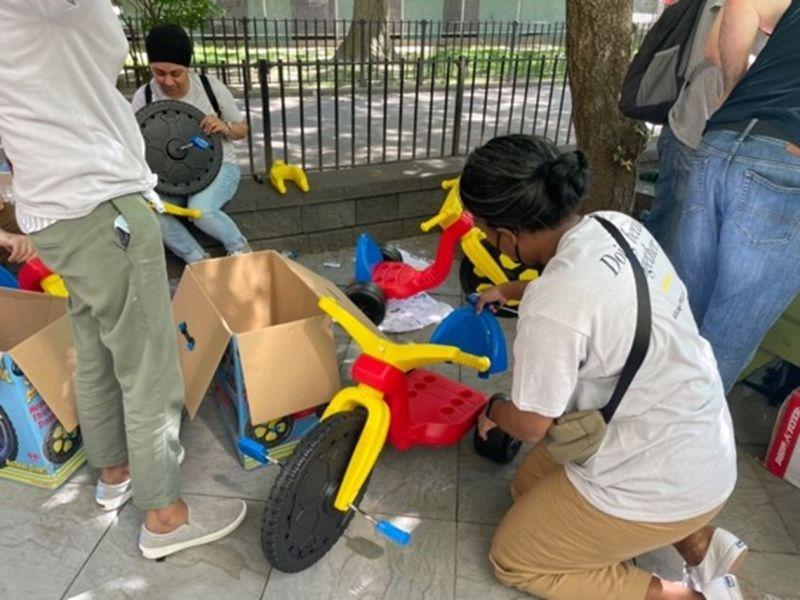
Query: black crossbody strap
[210,93]
[148,93]
[641,339]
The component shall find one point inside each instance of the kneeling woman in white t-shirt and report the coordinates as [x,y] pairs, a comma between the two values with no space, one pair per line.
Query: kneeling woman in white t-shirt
[667,463]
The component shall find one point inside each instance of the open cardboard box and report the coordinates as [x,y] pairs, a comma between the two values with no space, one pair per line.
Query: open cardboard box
[261,309]
[39,442]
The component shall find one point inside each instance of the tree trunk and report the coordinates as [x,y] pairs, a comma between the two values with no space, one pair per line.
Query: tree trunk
[368,37]
[599,34]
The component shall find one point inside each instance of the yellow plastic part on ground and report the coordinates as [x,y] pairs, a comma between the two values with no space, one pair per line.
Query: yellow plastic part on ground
[280,172]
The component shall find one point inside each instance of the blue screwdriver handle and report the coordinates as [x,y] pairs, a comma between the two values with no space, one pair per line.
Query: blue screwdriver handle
[393,533]
[201,143]
[252,448]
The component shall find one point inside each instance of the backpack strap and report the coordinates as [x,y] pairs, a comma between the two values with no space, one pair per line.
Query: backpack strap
[641,339]
[210,93]
[148,93]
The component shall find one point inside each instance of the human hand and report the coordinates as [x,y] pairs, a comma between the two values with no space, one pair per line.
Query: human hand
[20,247]
[793,149]
[213,124]
[485,425]
[491,296]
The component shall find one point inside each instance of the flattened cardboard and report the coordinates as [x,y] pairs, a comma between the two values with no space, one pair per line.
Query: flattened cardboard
[191,305]
[35,332]
[294,382]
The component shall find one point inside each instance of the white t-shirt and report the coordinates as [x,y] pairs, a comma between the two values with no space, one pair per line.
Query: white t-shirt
[67,130]
[197,97]
[669,451]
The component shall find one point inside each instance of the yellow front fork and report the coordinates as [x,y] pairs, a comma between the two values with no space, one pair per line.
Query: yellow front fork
[370,443]
[485,265]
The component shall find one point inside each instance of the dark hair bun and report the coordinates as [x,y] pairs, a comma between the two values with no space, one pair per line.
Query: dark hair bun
[566,179]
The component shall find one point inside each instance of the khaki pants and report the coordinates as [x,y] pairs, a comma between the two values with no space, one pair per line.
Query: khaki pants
[554,544]
[129,387]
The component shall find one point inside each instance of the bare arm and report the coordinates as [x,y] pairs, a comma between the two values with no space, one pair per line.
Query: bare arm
[528,427]
[712,41]
[738,31]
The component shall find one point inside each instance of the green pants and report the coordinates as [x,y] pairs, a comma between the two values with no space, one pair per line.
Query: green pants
[129,387]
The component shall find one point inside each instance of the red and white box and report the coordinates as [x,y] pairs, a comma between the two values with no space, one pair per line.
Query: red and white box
[783,455]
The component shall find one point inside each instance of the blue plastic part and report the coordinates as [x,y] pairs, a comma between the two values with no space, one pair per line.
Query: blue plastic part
[392,532]
[201,143]
[478,334]
[252,448]
[7,279]
[368,254]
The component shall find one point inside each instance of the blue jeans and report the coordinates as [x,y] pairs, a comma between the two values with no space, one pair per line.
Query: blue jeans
[674,169]
[738,248]
[214,222]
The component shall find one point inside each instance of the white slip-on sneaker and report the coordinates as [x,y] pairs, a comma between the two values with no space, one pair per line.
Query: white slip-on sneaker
[722,588]
[726,554]
[112,496]
[209,519]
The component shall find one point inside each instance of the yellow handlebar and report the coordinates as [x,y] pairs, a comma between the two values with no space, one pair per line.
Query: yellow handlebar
[451,209]
[402,356]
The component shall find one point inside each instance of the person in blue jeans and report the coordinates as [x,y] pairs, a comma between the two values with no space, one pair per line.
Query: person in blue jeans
[169,53]
[680,137]
[738,249]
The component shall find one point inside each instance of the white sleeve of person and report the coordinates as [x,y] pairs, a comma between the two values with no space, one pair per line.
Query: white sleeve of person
[547,358]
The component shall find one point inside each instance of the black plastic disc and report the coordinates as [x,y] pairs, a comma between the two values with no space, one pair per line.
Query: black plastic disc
[300,523]
[167,128]
[499,446]
[369,299]
[8,439]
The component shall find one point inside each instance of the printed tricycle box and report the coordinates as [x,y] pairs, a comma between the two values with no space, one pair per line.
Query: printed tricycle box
[40,442]
[783,455]
[259,312]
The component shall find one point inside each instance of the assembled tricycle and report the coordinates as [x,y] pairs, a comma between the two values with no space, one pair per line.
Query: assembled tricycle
[318,489]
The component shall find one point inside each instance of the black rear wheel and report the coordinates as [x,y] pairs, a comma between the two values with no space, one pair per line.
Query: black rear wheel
[300,522]
[369,299]
[498,445]
[391,253]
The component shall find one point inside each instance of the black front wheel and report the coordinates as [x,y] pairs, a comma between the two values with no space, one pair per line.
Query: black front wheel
[300,522]
[369,299]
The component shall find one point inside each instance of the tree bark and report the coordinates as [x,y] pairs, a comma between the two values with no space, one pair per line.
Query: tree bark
[368,37]
[599,46]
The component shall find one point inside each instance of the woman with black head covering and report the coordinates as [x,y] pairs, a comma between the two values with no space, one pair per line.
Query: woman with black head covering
[665,464]
[169,53]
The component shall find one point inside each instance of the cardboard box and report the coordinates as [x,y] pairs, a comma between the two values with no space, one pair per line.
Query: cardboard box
[279,436]
[783,455]
[261,309]
[39,441]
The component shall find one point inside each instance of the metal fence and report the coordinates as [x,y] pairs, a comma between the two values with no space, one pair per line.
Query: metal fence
[389,111]
[432,89]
